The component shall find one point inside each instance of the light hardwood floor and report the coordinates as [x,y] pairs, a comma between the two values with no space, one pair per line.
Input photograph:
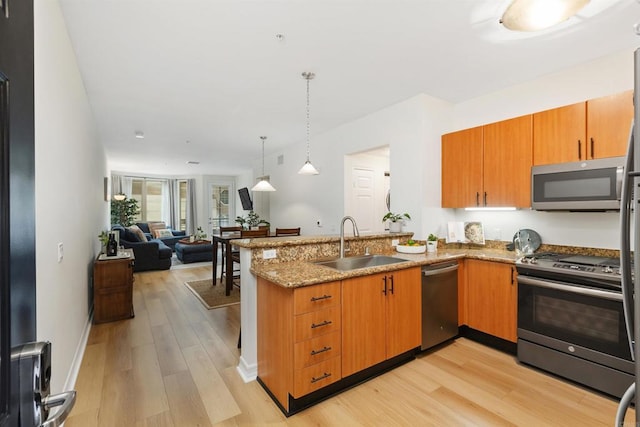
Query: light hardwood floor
[174,364]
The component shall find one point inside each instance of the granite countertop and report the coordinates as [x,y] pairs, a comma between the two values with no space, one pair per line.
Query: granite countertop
[302,273]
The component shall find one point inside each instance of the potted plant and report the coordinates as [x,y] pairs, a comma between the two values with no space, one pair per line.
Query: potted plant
[124,211]
[432,243]
[104,239]
[396,221]
[252,221]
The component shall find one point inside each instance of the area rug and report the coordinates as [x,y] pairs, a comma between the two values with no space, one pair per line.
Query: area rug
[213,296]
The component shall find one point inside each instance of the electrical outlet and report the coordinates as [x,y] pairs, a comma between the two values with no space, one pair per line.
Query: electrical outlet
[319,223]
[268,254]
[395,242]
[60,252]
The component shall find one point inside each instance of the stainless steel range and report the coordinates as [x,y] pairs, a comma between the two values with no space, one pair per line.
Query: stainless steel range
[571,319]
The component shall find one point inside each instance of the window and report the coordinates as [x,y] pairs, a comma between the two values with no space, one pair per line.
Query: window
[150,194]
[182,200]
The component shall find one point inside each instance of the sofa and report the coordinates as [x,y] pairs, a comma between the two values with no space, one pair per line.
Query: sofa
[168,236]
[152,254]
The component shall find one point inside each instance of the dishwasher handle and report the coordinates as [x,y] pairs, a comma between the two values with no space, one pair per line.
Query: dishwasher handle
[439,269]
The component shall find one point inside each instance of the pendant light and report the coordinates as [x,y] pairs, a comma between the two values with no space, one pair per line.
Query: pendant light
[307,168]
[536,15]
[263,184]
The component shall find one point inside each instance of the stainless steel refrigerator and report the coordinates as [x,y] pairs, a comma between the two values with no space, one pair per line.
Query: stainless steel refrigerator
[630,230]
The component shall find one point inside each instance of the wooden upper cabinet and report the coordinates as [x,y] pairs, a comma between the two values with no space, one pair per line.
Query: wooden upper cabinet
[559,135]
[594,129]
[608,123]
[462,163]
[507,163]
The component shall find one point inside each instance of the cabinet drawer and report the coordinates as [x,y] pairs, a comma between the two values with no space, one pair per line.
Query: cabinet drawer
[315,350]
[112,305]
[316,297]
[316,376]
[316,323]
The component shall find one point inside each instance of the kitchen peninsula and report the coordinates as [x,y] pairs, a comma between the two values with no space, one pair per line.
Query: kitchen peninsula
[276,271]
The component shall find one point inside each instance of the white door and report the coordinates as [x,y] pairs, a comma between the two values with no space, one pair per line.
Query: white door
[221,206]
[364,198]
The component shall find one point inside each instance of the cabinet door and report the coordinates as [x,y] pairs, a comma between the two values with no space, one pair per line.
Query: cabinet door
[559,135]
[363,323]
[404,307]
[608,124]
[507,162]
[492,298]
[462,168]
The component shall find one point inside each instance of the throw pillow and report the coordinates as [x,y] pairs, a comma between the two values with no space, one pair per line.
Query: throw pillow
[156,225]
[130,236]
[135,229]
[163,232]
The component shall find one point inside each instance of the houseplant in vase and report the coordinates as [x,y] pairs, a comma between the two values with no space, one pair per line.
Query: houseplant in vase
[252,221]
[124,212]
[432,243]
[395,221]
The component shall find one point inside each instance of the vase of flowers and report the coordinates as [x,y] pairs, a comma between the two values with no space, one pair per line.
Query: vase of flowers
[252,221]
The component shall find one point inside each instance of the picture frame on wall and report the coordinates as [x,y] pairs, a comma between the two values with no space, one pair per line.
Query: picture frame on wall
[107,187]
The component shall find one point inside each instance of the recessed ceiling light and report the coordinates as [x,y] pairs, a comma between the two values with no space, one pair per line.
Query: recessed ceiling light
[192,162]
[139,134]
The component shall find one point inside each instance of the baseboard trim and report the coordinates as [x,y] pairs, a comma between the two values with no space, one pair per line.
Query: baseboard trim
[72,375]
[247,372]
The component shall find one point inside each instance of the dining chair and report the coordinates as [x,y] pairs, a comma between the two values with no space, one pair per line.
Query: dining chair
[260,232]
[288,231]
[223,253]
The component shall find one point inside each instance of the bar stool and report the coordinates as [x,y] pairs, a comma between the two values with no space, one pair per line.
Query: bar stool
[288,231]
[223,253]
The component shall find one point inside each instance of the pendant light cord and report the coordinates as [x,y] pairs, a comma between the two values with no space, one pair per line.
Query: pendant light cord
[263,138]
[308,121]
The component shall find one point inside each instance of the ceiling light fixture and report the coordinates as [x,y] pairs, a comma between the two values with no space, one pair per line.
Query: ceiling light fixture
[535,15]
[263,184]
[119,197]
[139,134]
[308,168]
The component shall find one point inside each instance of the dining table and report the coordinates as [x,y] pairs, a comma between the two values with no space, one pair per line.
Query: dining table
[226,240]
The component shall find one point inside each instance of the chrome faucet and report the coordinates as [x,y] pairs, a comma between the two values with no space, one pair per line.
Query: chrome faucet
[355,232]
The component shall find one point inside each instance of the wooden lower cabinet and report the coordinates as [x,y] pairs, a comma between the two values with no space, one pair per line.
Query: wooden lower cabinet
[381,318]
[113,289]
[492,298]
[298,338]
[308,336]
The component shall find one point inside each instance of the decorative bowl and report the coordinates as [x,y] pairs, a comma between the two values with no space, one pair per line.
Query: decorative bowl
[418,248]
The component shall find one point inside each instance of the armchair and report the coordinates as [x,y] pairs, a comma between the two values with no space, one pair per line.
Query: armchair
[150,255]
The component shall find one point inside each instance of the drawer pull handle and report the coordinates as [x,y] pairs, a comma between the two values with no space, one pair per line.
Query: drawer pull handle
[317,325]
[314,299]
[315,380]
[322,350]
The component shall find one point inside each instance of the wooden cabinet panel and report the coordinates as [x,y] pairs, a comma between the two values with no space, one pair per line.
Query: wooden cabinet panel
[404,315]
[492,298]
[363,323]
[508,152]
[559,135]
[113,289]
[317,297]
[462,166]
[608,123]
[309,352]
[380,319]
[316,376]
[316,323]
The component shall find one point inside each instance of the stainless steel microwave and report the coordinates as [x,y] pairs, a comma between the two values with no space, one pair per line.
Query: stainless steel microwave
[591,185]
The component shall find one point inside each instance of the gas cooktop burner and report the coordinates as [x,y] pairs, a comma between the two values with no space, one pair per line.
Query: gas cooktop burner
[570,265]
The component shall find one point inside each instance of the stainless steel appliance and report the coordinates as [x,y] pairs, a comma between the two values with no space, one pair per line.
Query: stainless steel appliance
[628,269]
[439,303]
[33,363]
[590,185]
[571,319]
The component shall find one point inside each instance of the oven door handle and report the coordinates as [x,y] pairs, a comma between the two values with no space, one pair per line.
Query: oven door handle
[565,287]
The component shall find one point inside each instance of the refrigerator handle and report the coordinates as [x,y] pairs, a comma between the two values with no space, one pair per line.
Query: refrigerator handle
[65,401]
[625,242]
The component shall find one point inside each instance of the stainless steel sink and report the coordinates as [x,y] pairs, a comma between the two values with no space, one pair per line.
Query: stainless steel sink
[356,262]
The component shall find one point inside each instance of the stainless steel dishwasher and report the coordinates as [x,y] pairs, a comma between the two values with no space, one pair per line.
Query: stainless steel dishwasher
[439,303]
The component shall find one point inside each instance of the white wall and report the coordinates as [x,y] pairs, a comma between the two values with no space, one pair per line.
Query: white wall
[411,129]
[70,208]
[602,77]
